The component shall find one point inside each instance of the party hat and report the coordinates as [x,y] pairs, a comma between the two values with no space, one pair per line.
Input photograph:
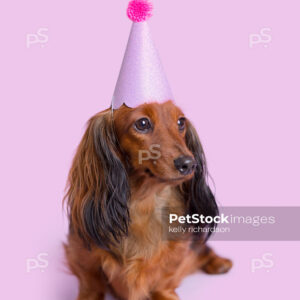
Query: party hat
[142,78]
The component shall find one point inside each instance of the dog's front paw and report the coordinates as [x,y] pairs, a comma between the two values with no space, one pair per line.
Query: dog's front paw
[165,295]
[217,265]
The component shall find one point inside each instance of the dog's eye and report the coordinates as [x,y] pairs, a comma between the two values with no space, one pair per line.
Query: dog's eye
[143,125]
[181,124]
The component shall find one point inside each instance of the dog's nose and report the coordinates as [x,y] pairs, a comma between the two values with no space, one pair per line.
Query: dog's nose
[185,164]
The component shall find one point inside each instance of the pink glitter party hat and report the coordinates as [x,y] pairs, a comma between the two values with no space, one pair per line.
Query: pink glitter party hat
[142,78]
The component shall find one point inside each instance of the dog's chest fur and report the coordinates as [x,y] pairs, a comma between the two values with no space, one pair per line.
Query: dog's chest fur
[148,222]
[146,247]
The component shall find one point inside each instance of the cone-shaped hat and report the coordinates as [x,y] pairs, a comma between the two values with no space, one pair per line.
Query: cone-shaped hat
[142,78]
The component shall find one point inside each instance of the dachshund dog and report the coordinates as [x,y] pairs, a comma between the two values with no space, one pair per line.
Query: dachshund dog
[115,197]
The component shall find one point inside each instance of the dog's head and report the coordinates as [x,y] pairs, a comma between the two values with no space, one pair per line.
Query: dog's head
[153,138]
[155,142]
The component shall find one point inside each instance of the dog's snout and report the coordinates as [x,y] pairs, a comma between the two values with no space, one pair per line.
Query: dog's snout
[185,164]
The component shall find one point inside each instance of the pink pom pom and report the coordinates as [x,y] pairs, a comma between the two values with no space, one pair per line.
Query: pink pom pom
[139,10]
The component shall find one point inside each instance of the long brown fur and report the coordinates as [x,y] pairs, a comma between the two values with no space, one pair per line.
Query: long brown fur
[115,204]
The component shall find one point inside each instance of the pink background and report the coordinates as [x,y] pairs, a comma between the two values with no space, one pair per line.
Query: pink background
[244,102]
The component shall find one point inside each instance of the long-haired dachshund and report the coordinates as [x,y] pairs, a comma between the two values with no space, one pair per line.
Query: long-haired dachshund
[131,164]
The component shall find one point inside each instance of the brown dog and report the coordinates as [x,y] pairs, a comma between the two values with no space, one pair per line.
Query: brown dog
[116,194]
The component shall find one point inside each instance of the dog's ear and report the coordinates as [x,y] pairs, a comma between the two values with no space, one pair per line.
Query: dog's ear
[197,193]
[98,188]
